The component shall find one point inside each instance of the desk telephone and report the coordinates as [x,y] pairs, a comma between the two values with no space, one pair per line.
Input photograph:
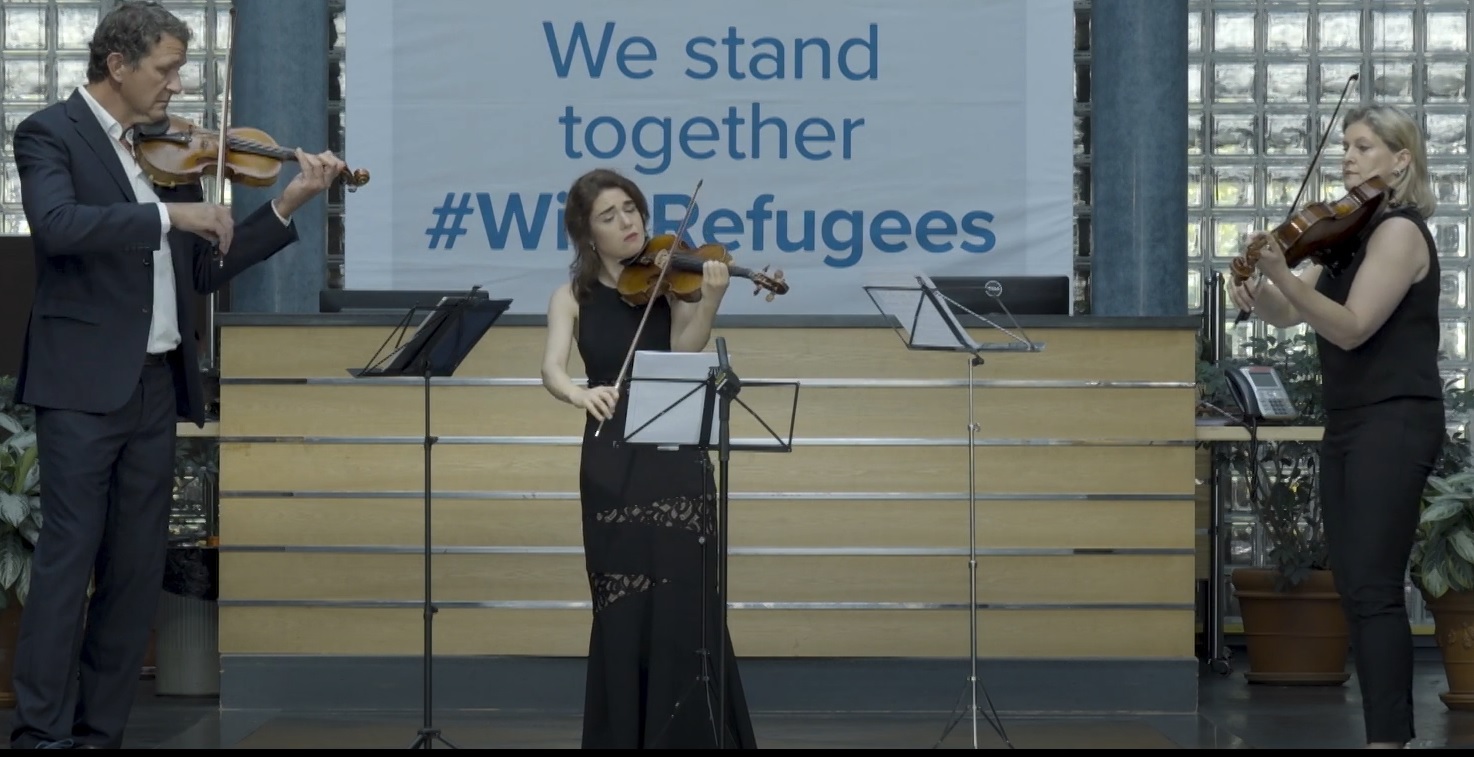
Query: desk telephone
[1261,393]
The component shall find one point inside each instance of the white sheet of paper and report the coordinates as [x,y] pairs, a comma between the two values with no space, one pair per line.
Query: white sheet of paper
[659,379]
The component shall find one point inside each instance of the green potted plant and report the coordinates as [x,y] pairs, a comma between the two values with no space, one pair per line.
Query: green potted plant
[20,522]
[1442,564]
[1295,630]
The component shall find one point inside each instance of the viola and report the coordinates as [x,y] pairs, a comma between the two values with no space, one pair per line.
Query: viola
[1325,233]
[174,152]
[642,280]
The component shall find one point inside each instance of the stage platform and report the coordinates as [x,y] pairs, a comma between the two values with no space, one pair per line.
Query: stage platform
[1231,715]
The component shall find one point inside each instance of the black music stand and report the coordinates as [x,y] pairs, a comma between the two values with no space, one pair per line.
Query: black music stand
[672,400]
[436,349]
[925,320]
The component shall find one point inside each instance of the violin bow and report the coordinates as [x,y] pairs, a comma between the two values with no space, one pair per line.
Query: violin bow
[221,125]
[664,267]
[1252,254]
[1325,136]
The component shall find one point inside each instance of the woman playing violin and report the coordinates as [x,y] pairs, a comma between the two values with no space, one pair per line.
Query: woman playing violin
[648,514]
[1376,325]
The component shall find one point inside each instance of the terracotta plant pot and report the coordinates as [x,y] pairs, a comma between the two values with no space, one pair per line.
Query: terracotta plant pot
[1298,637]
[1453,626]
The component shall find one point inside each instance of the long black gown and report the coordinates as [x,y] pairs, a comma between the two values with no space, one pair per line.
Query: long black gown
[650,550]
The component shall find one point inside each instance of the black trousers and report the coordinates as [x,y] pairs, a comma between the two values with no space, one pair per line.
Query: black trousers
[106,486]
[1375,462]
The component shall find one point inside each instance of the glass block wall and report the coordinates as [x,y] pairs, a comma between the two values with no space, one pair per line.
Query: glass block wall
[45,57]
[1264,79]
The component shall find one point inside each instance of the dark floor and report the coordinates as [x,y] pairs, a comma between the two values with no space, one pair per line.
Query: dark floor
[1231,715]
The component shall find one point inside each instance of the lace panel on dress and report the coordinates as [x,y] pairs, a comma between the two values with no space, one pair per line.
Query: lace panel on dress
[609,588]
[685,512]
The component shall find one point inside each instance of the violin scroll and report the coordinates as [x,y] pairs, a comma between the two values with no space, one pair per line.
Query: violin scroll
[773,284]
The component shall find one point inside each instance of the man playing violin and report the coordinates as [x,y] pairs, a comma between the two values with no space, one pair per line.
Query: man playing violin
[1377,329]
[110,365]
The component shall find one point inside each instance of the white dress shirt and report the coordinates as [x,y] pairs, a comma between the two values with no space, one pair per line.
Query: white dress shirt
[163,333]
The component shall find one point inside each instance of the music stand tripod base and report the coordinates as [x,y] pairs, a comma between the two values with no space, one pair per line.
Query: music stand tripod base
[428,737]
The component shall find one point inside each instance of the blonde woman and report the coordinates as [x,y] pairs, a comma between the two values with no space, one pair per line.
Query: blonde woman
[1375,318]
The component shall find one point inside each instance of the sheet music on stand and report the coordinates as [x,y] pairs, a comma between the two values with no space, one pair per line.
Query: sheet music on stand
[669,407]
[922,315]
[441,340]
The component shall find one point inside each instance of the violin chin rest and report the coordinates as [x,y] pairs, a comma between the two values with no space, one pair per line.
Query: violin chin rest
[154,129]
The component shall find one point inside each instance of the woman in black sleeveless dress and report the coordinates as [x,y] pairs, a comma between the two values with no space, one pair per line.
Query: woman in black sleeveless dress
[648,514]
[1377,331]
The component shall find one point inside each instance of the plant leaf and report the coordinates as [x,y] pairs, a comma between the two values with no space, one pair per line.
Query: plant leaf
[11,423]
[1441,509]
[20,441]
[23,585]
[30,530]
[1463,545]
[27,465]
[14,509]
[13,558]
[1433,582]
[32,480]
[1461,576]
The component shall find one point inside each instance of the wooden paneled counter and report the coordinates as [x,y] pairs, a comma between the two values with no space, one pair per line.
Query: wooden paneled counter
[852,545]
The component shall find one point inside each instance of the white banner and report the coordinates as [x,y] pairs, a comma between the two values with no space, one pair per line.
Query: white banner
[835,139]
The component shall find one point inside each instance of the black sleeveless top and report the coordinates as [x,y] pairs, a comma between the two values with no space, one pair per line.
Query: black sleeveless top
[607,325]
[1400,360]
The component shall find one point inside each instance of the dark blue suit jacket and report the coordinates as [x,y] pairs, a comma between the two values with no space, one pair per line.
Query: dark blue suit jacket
[94,244]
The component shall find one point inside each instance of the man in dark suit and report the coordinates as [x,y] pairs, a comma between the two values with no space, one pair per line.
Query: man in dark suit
[110,365]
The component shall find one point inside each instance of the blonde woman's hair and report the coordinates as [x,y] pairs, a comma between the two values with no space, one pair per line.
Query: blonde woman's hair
[1400,132]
